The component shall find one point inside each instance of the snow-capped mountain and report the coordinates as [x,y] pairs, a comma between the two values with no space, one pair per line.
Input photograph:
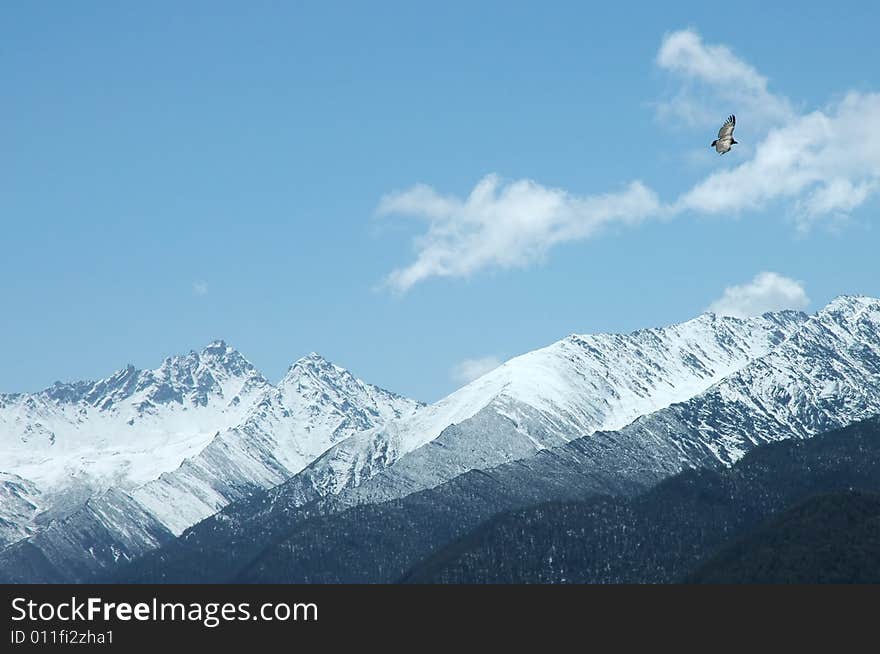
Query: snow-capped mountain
[76,439]
[316,405]
[826,374]
[546,398]
[181,441]
[617,411]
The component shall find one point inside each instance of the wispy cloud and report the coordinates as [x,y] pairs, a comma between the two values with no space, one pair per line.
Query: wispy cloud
[711,79]
[768,291]
[200,288]
[470,369]
[823,164]
[505,225]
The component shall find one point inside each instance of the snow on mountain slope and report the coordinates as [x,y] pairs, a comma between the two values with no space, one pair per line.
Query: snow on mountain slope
[182,440]
[73,440]
[547,397]
[825,376]
[109,528]
[19,500]
[316,405]
[128,428]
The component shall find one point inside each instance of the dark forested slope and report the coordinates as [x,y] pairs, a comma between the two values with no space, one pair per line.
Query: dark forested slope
[667,532]
[833,538]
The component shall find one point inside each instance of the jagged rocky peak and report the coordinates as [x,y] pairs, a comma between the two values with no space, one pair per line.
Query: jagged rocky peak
[314,370]
[68,392]
[851,302]
[194,370]
[218,346]
[853,319]
[217,356]
[311,363]
[217,369]
[220,354]
[313,375]
[122,384]
[851,309]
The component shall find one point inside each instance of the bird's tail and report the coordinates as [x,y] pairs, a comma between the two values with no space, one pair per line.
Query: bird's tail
[713,143]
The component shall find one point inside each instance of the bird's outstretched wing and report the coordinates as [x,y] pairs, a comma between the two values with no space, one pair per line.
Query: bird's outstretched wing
[727,128]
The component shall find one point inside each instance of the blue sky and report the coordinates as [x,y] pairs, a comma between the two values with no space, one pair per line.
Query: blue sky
[173,175]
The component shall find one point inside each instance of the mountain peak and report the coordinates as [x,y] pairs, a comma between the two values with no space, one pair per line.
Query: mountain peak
[848,311]
[219,355]
[311,365]
[313,360]
[219,349]
[849,302]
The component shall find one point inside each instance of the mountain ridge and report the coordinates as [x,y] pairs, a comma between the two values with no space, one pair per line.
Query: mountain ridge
[628,409]
[544,398]
[697,520]
[696,433]
[195,407]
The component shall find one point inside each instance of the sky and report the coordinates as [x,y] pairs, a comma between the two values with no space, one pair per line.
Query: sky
[418,191]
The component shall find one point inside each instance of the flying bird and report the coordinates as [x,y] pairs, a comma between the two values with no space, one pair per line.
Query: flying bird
[725,136]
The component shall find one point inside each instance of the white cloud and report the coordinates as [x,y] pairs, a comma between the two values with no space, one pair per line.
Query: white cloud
[504,225]
[470,369]
[715,81]
[200,288]
[822,165]
[768,291]
[827,162]
[684,52]
[837,197]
